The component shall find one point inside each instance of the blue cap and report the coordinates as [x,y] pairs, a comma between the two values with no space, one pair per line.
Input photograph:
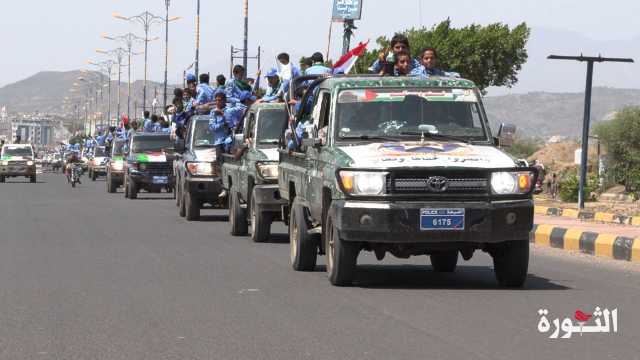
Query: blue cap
[191,78]
[272,72]
[246,95]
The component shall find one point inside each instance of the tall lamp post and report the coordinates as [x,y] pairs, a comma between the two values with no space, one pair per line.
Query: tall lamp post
[107,67]
[128,40]
[245,53]
[587,113]
[146,19]
[197,62]
[119,54]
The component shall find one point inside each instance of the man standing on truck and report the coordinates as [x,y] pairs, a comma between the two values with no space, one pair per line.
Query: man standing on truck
[223,120]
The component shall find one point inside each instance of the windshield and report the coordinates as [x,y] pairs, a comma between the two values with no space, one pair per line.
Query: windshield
[202,136]
[118,148]
[270,125]
[17,151]
[100,152]
[409,112]
[151,143]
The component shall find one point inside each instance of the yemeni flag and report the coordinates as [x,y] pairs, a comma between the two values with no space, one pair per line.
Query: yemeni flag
[346,62]
[152,157]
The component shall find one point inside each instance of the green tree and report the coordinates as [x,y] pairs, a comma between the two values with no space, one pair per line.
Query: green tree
[621,138]
[490,55]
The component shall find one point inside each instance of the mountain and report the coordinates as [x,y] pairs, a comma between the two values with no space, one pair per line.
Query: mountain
[46,91]
[546,114]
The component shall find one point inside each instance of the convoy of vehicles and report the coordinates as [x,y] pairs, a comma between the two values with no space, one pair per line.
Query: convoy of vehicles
[149,164]
[396,165]
[197,171]
[17,160]
[250,172]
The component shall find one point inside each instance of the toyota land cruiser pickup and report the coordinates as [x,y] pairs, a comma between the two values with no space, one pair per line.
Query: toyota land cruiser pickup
[197,170]
[250,172]
[149,164]
[405,166]
[17,160]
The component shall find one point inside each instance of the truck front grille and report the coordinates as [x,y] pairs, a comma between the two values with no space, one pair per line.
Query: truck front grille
[158,169]
[438,183]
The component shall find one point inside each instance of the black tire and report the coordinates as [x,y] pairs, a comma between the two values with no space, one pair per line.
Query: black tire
[445,261]
[133,190]
[33,179]
[260,222]
[237,216]
[182,209]
[178,192]
[111,186]
[342,256]
[303,247]
[2,179]
[192,207]
[511,263]
[126,189]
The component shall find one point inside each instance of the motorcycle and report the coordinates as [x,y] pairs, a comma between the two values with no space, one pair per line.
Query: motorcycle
[76,173]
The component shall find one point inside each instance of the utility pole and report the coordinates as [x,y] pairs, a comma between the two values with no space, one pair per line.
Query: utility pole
[587,113]
[166,51]
[245,55]
[197,62]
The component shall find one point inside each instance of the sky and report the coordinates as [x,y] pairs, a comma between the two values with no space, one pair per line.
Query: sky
[44,35]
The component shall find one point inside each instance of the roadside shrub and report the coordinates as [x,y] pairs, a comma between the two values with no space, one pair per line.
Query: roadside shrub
[570,185]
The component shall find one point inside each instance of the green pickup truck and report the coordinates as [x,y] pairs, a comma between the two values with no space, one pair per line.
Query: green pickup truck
[250,173]
[404,166]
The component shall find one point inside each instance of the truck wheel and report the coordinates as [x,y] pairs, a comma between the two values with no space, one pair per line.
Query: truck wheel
[342,256]
[126,188]
[237,215]
[511,263]
[32,179]
[192,207]
[111,186]
[133,190]
[182,209]
[178,193]
[260,222]
[444,262]
[303,246]
[2,179]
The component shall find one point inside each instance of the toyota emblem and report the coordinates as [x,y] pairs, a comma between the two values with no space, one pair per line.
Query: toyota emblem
[437,184]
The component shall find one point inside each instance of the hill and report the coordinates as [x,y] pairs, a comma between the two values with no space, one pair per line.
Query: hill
[546,114]
[45,92]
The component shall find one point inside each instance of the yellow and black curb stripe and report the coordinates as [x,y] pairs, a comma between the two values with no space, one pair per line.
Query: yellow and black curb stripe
[610,246]
[589,215]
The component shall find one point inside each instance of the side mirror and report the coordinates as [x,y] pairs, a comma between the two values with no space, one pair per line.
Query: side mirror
[180,146]
[238,140]
[506,135]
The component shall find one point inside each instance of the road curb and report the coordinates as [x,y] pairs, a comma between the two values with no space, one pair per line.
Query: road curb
[604,217]
[587,242]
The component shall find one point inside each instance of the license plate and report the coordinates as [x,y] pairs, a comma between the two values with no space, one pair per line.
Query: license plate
[442,219]
[160,179]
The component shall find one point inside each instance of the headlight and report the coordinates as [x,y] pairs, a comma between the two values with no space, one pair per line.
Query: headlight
[117,165]
[363,182]
[267,171]
[5,163]
[29,163]
[511,183]
[142,167]
[200,168]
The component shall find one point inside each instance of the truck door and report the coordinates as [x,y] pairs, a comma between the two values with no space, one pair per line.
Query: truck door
[315,174]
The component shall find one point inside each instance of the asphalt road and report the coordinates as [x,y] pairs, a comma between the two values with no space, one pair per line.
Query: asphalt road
[89,275]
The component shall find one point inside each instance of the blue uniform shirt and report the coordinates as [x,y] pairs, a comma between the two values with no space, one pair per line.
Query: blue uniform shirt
[148,126]
[318,69]
[205,94]
[221,125]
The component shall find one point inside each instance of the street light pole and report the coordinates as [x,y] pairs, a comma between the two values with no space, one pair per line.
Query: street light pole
[197,62]
[587,113]
[166,50]
[245,54]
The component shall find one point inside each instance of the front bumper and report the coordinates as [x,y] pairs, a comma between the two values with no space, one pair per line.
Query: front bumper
[99,170]
[267,198]
[399,222]
[146,179]
[206,188]
[117,176]
[17,170]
